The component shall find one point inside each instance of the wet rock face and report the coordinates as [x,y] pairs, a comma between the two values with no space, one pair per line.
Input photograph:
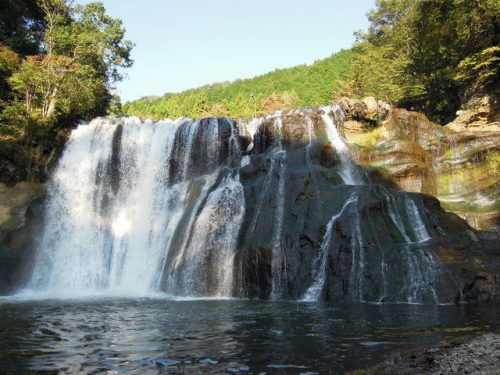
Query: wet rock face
[385,245]
[198,139]
[457,164]
[20,219]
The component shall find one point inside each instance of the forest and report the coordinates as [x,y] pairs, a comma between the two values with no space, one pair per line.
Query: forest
[298,86]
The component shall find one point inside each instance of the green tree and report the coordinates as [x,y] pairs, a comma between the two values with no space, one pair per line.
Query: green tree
[422,45]
[79,53]
[22,24]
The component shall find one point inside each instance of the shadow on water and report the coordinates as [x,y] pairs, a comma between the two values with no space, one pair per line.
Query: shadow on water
[211,336]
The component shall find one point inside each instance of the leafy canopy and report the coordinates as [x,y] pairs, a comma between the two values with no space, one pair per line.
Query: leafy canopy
[428,54]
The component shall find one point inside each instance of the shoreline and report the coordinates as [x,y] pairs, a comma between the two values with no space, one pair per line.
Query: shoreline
[468,354]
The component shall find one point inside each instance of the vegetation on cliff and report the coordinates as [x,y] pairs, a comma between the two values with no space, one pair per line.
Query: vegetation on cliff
[58,63]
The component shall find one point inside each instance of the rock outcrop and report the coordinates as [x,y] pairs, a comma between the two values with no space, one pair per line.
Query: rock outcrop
[460,165]
[20,215]
[402,151]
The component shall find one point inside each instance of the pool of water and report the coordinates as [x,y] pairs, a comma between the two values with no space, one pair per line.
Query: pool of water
[219,336]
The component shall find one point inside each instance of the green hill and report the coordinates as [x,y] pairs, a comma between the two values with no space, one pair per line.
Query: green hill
[303,85]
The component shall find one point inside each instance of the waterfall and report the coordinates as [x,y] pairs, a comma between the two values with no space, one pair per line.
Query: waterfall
[188,207]
[278,264]
[126,194]
[415,219]
[205,261]
[421,269]
[348,171]
[313,293]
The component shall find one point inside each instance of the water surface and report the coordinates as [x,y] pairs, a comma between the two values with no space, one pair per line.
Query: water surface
[217,336]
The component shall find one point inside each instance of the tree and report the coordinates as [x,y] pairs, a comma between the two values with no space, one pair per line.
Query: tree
[96,39]
[276,101]
[54,86]
[9,62]
[422,44]
[64,70]
[21,26]
[83,49]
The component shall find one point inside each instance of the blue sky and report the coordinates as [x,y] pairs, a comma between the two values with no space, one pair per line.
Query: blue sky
[182,44]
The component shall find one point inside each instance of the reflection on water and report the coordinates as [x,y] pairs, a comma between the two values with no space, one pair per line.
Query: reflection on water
[213,336]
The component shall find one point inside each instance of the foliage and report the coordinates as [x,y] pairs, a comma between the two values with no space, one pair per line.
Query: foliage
[21,26]
[9,62]
[283,88]
[64,70]
[377,71]
[55,86]
[424,54]
[480,71]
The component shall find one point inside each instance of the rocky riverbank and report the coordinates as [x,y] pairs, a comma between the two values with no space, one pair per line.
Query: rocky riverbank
[465,355]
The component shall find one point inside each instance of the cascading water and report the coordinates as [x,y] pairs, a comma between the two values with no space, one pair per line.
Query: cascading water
[348,171]
[218,208]
[278,265]
[125,195]
[313,293]
[412,230]
[205,262]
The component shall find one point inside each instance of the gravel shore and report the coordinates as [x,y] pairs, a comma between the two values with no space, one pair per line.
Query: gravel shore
[480,355]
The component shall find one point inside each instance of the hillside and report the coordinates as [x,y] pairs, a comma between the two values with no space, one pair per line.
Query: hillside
[303,85]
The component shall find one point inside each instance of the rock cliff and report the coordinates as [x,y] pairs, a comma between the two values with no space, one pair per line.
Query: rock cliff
[458,163]
[374,249]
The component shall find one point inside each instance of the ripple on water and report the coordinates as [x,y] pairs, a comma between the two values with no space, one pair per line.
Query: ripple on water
[218,336]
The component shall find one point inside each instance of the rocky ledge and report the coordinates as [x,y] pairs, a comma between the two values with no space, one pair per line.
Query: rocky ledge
[480,356]
[458,163]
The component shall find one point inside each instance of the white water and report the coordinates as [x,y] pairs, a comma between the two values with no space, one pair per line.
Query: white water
[153,216]
[415,219]
[278,263]
[112,218]
[421,270]
[348,171]
[207,260]
[313,293]
[250,129]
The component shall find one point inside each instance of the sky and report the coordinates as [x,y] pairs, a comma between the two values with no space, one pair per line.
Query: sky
[182,44]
